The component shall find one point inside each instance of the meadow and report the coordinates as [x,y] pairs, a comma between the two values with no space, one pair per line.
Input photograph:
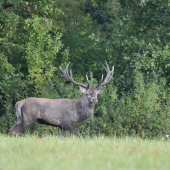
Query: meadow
[71,153]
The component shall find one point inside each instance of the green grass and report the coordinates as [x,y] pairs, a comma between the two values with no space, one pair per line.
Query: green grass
[49,153]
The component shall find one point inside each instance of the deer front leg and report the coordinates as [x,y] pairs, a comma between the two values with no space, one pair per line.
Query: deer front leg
[63,133]
[71,129]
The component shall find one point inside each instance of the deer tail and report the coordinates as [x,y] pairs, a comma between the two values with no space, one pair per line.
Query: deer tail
[18,109]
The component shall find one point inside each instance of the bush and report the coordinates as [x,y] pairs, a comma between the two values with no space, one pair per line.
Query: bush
[36,37]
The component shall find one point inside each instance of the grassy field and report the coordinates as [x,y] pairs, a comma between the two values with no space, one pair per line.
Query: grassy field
[49,153]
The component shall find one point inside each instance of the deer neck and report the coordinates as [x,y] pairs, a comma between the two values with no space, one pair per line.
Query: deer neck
[85,108]
[86,103]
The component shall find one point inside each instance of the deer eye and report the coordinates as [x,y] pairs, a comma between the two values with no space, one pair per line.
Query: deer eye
[87,93]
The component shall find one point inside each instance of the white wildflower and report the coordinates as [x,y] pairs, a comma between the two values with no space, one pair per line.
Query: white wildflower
[162,138]
[167,136]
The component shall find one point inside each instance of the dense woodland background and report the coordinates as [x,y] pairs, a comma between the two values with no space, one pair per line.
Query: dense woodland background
[36,37]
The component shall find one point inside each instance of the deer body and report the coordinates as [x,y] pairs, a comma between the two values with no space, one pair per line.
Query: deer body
[63,113]
[57,111]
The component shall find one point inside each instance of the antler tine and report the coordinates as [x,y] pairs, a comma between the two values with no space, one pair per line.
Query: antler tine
[101,78]
[108,76]
[65,69]
[104,67]
[71,74]
[70,77]
[87,82]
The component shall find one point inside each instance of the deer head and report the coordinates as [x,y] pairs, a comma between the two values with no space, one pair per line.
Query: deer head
[90,93]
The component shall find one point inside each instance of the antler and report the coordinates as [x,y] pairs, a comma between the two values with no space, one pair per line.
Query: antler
[70,77]
[108,77]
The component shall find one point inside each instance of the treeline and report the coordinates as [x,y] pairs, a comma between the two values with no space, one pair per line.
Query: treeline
[36,37]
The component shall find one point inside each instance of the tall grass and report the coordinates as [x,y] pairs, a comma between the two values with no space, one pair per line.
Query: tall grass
[32,153]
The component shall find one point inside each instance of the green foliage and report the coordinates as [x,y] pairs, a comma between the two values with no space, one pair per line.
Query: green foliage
[138,112]
[29,46]
[36,37]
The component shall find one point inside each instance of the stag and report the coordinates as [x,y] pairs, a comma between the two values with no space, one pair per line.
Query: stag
[63,113]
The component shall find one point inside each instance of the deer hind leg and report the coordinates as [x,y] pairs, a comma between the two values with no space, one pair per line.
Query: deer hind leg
[16,128]
[22,124]
[19,127]
[71,128]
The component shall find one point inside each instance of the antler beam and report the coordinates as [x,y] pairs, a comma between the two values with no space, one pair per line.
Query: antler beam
[70,77]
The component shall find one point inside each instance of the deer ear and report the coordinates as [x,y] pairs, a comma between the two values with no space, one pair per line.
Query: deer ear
[82,89]
[100,91]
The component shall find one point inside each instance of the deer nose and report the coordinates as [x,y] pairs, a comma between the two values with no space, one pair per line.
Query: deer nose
[94,100]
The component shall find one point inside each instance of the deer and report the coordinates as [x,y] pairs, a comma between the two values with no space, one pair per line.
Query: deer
[64,113]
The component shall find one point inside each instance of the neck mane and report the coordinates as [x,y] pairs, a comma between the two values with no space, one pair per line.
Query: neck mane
[85,108]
